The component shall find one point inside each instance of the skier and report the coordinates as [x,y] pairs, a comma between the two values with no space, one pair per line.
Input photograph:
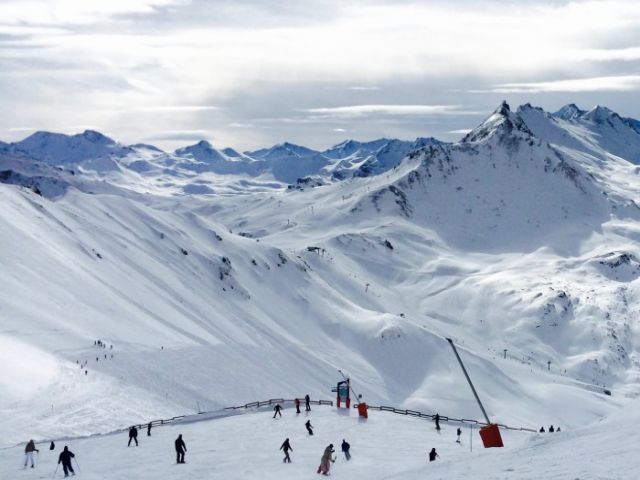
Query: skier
[558,429]
[277,409]
[307,403]
[297,405]
[433,455]
[551,429]
[345,449]
[326,460]
[133,435]
[541,429]
[437,419]
[28,453]
[65,458]
[149,430]
[286,446]
[52,446]
[181,449]
[309,427]
[458,432]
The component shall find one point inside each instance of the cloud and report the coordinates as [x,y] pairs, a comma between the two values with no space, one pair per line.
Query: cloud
[365,110]
[175,108]
[74,12]
[621,83]
[607,54]
[462,131]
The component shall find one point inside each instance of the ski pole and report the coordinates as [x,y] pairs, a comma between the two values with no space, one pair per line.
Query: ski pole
[78,465]
[54,473]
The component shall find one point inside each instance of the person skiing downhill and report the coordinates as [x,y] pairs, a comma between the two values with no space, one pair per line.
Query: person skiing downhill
[133,435]
[286,446]
[458,432]
[326,460]
[309,427]
[181,449]
[149,430]
[345,449]
[307,403]
[433,455]
[28,453]
[277,411]
[437,419]
[297,405]
[65,458]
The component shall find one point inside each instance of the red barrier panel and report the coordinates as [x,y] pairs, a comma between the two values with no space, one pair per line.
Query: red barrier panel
[362,410]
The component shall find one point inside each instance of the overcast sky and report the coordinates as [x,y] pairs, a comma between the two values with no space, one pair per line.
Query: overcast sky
[250,73]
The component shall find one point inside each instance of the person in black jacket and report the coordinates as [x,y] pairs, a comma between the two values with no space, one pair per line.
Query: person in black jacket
[181,449]
[437,419]
[286,446]
[133,435]
[307,403]
[345,449]
[309,427]
[65,458]
[433,455]
[277,409]
[458,432]
[149,430]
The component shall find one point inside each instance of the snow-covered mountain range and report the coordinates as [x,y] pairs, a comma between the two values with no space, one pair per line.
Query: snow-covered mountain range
[222,277]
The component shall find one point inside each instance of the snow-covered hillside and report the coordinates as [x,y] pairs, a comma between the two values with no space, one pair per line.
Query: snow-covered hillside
[216,284]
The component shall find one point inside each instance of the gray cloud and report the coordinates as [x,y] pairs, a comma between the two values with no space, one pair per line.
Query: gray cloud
[251,73]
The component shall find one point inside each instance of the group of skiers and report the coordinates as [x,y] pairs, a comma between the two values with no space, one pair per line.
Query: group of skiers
[551,429]
[326,460]
[66,455]
[64,458]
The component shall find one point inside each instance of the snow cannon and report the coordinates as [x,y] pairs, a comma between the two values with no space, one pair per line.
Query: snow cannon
[490,436]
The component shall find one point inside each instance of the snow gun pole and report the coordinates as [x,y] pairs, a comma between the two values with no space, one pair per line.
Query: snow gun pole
[464,370]
[357,397]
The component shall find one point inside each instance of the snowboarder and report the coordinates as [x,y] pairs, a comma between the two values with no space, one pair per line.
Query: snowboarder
[149,430]
[277,409]
[458,432]
[345,449]
[307,403]
[297,405]
[433,455]
[181,449]
[309,427]
[326,460]
[551,429]
[286,446]
[65,458]
[541,429]
[28,453]
[437,419]
[133,435]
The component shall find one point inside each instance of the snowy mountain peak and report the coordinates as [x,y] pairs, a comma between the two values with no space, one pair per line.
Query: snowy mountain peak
[501,122]
[569,112]
[599,114]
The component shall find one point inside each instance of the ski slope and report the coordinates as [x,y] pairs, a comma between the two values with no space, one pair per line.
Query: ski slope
[520,242]
[386,446]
